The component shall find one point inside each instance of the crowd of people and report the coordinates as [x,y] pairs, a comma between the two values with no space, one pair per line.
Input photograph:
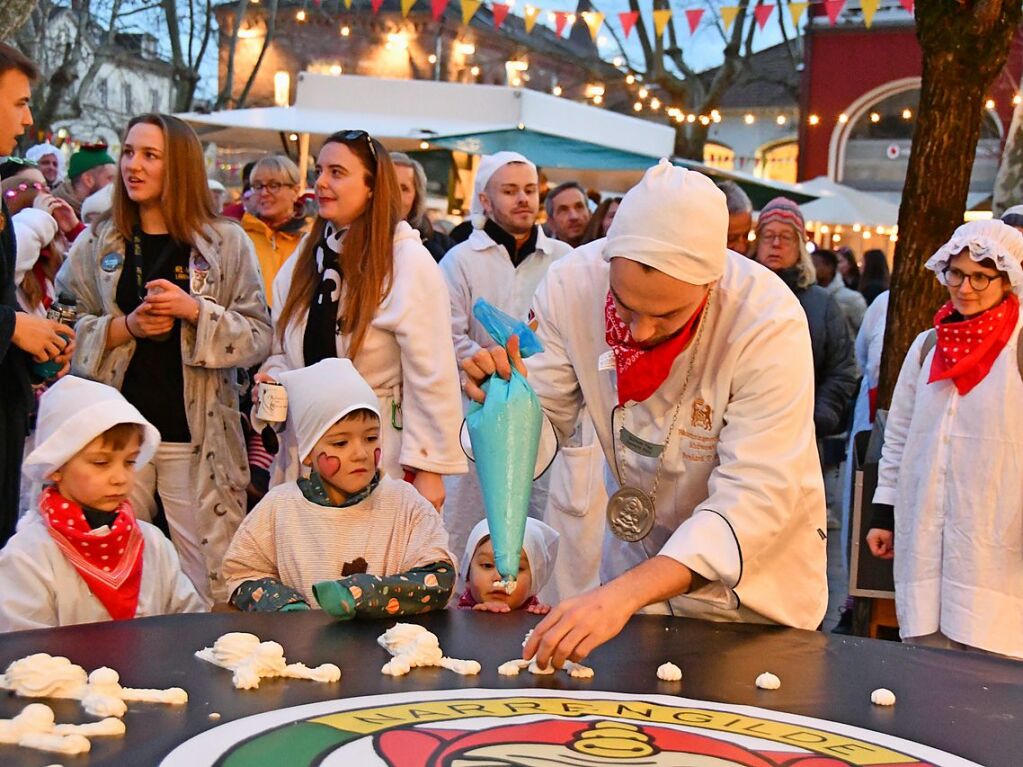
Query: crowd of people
[694,380]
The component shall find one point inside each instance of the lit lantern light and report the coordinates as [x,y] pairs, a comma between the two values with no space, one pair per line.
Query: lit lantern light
[680,117]
[875,117]
[630,79]
[907,114]
[814,119]
[825,229]
[989,104]
[397,41]
[867,234]
[598,100]
[857,228]
[346,31]
[836,237]
[335,69]
[893,237]
[690,118]
[571,19]
[475,71]
[432,58]
[465,49]
[293,137]
[643,93]
[556,90]
[843,118]
[655,104]
[749,119]
[424,144]
[704,120]
[1017,100]
[593,90]
[637,107]
[617,61]
[780,120]
[300,16]
[282,88]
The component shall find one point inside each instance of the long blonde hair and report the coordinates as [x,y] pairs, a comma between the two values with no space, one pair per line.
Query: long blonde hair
[367,251]
[185,200]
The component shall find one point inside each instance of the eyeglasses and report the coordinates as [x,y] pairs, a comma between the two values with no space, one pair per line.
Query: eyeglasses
[24,188]
[978,280]
[787,237]
[355,135]
[273,187]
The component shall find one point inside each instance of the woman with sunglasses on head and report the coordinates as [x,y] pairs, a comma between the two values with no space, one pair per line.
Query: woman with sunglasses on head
[170,304]
[362,286]
[949,501]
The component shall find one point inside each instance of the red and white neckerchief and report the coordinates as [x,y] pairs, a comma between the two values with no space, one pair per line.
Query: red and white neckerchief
[640,370]
[110,563]
[966,350]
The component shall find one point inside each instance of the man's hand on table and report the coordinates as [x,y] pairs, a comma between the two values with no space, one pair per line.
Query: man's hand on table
[577,626]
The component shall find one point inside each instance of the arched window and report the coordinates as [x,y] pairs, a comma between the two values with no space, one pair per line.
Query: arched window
[718,156]
[777,160]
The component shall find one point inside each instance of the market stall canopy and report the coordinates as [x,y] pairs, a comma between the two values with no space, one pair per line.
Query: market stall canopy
[759,190]
[840,204]
[403,113]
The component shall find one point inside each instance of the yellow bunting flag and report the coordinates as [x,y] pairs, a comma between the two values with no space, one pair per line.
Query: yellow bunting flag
[469,8]
[530,17]
[406,6]
[661,19]
[728,14]
[796,10]
[593,20]
[869,9]
[348,5]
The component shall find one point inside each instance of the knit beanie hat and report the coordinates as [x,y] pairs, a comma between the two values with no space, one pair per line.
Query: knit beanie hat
[489,165]
[675,221]
[540,543]
[321,395]
[72,413]
[784,210]
[992,239]
[89,156]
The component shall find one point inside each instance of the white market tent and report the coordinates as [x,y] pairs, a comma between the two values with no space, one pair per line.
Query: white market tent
[845,206]
[551,131]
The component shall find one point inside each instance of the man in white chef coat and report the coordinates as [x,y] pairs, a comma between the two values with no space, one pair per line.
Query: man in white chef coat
[695,365]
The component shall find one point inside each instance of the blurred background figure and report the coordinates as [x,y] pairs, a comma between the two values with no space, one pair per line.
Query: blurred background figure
[601,219]
[50,162]
[740,216]
[238,208]
[91,168]
[826,263]
[848,268]
[219,194]
[568,213]
[875,277]
[412,184]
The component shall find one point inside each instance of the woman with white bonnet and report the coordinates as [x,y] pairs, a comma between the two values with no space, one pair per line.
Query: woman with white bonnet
[949,501]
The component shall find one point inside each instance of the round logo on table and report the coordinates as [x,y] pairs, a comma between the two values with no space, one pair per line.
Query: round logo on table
[543,728]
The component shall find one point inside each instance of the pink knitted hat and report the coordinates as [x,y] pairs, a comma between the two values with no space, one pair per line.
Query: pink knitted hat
[784,210]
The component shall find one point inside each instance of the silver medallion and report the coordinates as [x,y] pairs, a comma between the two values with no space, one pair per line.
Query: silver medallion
[630,514]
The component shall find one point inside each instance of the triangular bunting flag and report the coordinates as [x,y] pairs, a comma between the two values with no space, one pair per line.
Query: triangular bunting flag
[500,11]
[628,21]
[728,14]
[661,19]
[375,5]
[406,6]
[348,5]
[869,9]
[530,17]
[833,8]
[560,20]
[762,13]
[796,10]
[593,20]
[437,6]
[908,5]
[469,8]
[693,16]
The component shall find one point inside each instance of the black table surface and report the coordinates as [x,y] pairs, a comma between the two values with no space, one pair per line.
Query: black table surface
[963,703]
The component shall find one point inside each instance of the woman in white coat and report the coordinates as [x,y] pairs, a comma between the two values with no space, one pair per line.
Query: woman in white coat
[361,285]
[953,456]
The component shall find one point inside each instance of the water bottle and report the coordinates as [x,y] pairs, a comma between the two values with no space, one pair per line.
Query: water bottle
[65,311]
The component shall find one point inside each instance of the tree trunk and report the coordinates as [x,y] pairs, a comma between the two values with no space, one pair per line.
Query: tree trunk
[14,13]
[964,47]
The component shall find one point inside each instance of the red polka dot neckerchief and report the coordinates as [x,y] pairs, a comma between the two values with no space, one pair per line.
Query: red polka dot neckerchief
[966,350]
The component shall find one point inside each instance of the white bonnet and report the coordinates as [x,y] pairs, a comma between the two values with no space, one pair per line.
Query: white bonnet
[540,543]
[489,165]
[37,152]
[984,239]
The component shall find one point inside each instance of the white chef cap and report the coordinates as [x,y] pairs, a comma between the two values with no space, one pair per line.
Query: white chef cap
[72,413]
[540,543]
[320,395]
[675,221]
[992,239]
[489,165]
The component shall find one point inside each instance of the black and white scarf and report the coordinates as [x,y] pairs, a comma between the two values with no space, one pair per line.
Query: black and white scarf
[321,330]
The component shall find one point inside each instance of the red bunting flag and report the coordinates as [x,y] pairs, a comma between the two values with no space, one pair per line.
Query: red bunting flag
[908,5]
[560,20]
[375,4]
[628,21]
[438,7]
[762,13]
[833,8]
[693,16]
[500,11]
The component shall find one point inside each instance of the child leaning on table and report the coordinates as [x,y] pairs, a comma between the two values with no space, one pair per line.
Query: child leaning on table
[80,555]
[539,550]
[348,537]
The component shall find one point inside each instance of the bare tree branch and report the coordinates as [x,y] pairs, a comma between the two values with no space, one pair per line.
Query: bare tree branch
[224,97]
[271,26]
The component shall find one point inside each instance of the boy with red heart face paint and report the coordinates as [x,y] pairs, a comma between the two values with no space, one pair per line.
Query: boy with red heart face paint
[346,537]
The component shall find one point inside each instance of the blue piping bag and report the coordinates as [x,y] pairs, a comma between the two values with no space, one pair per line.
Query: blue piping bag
[505,435]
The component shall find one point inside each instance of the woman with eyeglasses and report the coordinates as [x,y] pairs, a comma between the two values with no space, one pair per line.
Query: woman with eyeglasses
[170,305]
[949,501]
[362,286]
[781,247]
[278,224]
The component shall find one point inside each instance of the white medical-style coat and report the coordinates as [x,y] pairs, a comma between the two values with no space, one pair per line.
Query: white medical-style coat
[741,497]
[952,466]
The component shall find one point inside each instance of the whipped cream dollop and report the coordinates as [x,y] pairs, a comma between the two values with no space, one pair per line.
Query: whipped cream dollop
[669,672]
[412,646]
[251,661]
[35,727]
[882,697]
[513,667]
[768,681]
